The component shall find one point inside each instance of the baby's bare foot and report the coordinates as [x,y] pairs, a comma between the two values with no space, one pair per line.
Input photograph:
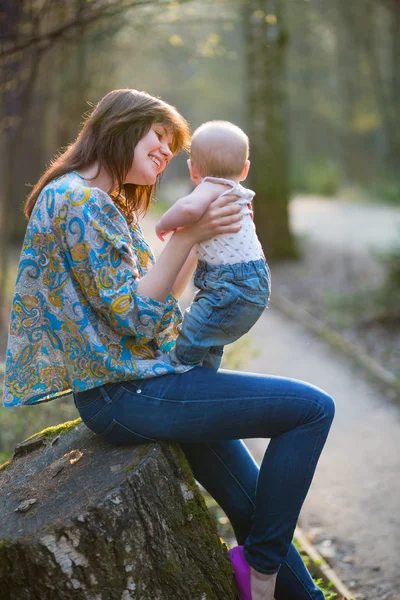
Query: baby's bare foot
[262,585]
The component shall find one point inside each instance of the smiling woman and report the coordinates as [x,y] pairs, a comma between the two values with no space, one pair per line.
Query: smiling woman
[156,145]
[126,130]
[150,159]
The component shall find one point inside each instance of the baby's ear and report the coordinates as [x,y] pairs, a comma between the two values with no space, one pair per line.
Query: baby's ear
[192,170]
[245,171]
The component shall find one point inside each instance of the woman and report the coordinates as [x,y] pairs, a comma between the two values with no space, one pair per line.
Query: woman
[93,313]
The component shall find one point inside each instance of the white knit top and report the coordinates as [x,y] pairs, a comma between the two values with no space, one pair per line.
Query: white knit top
[231,248]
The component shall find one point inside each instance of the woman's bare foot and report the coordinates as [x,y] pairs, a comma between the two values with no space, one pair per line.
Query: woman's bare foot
[262,585]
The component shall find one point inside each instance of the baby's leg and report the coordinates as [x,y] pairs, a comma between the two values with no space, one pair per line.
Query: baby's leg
[213,321]
[195,339]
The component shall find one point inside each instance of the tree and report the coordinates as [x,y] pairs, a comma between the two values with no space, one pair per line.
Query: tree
[266,42]
[375,27]
[33,34]
[82,519]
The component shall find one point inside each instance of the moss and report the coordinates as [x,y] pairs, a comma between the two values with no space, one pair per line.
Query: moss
[170,568]
[141,452]
[51,432]
[130,467]
[5,465]
[183,464]
[203,590]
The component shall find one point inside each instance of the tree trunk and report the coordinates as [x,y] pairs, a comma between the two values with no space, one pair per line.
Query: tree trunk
[82,519]
[10,115]
[268,124]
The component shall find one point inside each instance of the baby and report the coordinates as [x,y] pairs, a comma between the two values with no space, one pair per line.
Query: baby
[232,276]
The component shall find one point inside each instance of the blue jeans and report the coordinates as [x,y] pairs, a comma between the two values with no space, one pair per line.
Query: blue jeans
[230,300]
[207,412]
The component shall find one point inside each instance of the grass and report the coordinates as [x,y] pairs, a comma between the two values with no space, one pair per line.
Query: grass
[18,424]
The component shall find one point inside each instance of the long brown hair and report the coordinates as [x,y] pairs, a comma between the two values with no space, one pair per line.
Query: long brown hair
[108,137]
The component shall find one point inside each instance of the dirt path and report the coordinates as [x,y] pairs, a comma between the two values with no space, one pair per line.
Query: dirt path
[352,508]
[345,225]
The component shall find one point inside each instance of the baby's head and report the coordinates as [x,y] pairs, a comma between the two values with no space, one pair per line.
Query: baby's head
[219,149]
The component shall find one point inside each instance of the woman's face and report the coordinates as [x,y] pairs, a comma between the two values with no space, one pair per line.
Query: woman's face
[152,154]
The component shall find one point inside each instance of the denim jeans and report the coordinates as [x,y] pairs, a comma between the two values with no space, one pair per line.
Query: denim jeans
[230,300]
[207,412]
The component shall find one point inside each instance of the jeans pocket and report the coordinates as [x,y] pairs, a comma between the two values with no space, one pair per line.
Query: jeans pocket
[118,434]
[87,398]
[93,404]
[241,317]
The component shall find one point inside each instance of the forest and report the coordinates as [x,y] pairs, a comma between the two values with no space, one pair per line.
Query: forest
[314,83]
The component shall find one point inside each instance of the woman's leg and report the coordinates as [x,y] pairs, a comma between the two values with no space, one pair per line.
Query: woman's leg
[229,473]
[204,405]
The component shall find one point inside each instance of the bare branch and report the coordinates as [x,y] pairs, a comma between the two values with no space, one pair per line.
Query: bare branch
[104,12]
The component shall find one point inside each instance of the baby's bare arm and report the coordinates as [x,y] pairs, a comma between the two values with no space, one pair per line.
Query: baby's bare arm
[190,209]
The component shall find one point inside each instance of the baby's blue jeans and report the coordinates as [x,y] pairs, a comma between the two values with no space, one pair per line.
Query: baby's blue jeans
[207,412]
[229,301]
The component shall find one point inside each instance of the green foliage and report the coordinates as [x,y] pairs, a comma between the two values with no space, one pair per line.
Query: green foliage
[322,176]
[238,354]
[363,307]
[387,191]
[223,524]
[327,589]
[391,260]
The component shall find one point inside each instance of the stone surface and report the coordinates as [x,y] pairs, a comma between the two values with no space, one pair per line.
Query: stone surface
[108,523]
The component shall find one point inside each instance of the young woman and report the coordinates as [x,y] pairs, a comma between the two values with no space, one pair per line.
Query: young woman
[93,313]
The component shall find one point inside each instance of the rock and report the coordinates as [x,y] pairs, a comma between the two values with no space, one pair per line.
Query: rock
[327,549]
[107,523]
[25,505]
[348,559]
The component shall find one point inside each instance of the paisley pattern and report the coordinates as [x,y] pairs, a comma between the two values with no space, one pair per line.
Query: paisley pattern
[77,320]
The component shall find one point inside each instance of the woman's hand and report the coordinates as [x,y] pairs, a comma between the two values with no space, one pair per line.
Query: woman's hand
[220,217]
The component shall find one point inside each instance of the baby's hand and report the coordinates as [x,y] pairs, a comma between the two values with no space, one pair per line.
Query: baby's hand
[161,232]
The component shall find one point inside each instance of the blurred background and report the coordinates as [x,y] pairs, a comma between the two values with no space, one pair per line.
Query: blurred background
[314,83]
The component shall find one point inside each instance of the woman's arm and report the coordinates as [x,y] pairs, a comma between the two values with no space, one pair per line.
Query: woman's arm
[185,274]
[159,281]
[100,257]
[221,217]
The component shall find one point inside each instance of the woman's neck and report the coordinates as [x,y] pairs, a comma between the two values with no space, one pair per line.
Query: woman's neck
[95,178]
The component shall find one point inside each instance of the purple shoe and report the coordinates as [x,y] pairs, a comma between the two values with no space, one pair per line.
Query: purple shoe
[241,570]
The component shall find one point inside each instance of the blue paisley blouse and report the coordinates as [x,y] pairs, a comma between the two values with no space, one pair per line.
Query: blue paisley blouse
[77,321]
